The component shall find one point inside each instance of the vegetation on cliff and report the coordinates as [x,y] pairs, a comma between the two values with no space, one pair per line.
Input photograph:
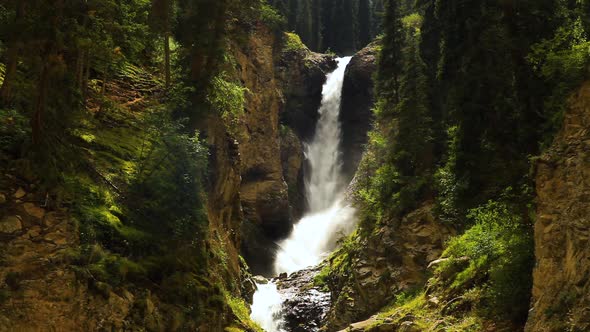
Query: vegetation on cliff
[467,93]
[101,107]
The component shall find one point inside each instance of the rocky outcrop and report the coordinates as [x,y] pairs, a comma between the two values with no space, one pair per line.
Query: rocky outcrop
[302,74]
[391,260]
[263,190]
[561,286]
[284,93]
[41,291]
[356,115]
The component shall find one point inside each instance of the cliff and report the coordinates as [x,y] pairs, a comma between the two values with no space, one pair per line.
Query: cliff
[284,93]
[561,284]
[356,115]
[124,243]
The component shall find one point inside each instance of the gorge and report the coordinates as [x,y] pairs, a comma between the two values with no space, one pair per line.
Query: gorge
[196,165]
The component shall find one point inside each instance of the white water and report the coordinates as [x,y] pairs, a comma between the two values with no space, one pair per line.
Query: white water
[315,235]
[266,307]
[328,218]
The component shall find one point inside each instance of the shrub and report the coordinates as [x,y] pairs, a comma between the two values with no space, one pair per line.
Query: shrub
[500,250]
[292,42]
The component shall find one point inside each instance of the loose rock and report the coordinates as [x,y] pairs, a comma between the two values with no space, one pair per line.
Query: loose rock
[34,211]
[11,225]
[20,193]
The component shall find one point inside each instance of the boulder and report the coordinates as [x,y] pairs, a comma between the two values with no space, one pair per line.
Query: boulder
[11,225]
[34,210]
[20,193]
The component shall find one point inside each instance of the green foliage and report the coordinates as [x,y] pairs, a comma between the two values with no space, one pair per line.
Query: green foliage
[226,98]
[343,26]
[14,130]
[499,249]
[563,62]
[292,42]
[271,17]
[168,185]
[242,312]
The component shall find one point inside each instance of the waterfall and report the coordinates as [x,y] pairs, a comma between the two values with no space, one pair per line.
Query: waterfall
[328,217]
[314,236]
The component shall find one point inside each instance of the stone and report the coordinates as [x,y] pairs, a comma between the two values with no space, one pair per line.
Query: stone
[57,238]
[34,211]
[34,232]
[20,193]
[260,280]
[51,220]
[2,198]
[11,225]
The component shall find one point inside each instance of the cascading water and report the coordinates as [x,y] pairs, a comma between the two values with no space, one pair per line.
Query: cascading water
[314,236]
[328,218]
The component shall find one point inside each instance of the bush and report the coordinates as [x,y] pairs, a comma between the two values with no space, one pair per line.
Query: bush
[562,61]
[272,17]
[500,251]
[14,130]
[292,42]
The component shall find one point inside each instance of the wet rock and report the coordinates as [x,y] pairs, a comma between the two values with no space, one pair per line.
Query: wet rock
[302,74]
[292,159]
[260,280]
[11,225]
[305,305]
[56,238]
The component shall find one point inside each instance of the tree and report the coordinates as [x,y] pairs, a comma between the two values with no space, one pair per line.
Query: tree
[161,17]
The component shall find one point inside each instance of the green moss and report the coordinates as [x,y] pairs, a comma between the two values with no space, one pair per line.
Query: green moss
[242,313]
[292,42]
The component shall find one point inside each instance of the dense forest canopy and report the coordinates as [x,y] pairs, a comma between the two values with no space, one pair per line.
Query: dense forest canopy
[341,26]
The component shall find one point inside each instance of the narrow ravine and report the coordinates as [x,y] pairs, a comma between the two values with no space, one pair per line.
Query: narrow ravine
[328,216]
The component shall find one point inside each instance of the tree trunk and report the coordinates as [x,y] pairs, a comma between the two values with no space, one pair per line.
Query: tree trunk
[167,58]
[40,105]
[103,90]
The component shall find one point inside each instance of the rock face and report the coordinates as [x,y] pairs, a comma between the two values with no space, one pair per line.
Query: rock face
[302,74]
[292,159]
[263,191]
[390,261]
[40,291]
[356,115]
[561,287]
[283,89]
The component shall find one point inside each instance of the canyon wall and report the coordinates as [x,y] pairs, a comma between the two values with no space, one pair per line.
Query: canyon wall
[561,287]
